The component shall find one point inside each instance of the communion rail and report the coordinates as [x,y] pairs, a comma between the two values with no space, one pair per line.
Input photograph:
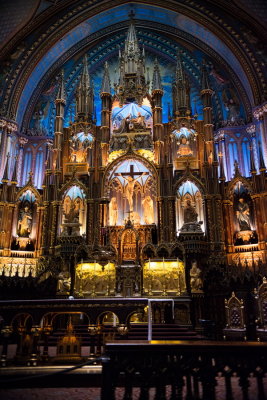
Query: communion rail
[185,370]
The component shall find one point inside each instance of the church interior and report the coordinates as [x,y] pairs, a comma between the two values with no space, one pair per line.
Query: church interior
[133,194]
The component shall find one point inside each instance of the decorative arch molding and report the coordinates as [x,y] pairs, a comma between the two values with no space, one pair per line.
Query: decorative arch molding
[201,16]
[232,184]
[74,181]
[178,245]
[188,176]
[30,187]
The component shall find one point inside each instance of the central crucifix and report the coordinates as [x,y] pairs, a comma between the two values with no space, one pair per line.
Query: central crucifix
[130,180]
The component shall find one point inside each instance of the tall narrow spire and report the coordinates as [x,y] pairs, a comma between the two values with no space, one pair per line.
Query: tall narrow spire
[181,91]
[156,81]
[61,94]
[84,95]
[131,46]
[106,88]
[205,83]
[179,73]
[132,84]
[14,179]
[85,80]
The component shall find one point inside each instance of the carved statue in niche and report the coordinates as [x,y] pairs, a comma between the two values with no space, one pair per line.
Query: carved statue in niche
[196,282]
[190,214]
[147,203]
[72,215]
[184,148]
[243,215]
[79,147]
[71,224]
[139,122]
[25,221]
[130,124]
[113,212]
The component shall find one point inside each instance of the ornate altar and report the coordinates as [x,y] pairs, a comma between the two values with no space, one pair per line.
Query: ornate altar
[93,279]
[164,278]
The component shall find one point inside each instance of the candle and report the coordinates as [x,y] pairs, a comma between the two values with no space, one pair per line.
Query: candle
[94,266]
[163,264]
[149,266]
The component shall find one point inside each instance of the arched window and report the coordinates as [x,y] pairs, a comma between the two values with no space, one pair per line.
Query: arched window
[233,155]
[27,165]
[246,157]
[39,168]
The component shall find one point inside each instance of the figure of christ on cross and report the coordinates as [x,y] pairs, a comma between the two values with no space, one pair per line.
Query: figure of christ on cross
[130,182]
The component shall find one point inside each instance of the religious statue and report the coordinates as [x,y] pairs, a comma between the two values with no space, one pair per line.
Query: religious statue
[190,214]
[25,222]
[71,224]
[130,123]
[184,148]
[113,212]
[64,281]
[147,203]
[129,188]
[72,215]
[124,125]
[196,282]
[243,215]
[139,122]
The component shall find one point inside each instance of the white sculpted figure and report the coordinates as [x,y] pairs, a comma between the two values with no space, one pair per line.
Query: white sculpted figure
[195,278]
[113,212]
[25,222]
[129,188]
[148,210]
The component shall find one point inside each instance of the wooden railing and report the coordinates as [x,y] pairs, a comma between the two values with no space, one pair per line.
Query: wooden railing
[188,370]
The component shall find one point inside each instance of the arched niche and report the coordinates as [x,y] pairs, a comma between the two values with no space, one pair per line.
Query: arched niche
[184,144]
[243,221]
[189,205]
[131,187]
[131,117]
[24,226]
[73,217]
